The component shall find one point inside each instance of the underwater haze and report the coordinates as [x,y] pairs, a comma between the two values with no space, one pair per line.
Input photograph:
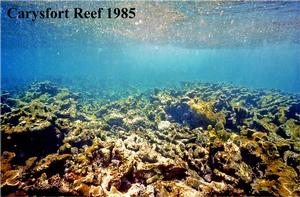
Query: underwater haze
[253,44]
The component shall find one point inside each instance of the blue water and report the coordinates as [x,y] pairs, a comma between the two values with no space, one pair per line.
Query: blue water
[255,44]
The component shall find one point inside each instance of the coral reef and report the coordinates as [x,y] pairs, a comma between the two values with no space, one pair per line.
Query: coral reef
[203,139]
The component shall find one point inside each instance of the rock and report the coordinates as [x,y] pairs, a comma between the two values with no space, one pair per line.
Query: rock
[96,191]
[230,162]
[135,122]
[10,178]
[280,179]
[114,118]
[173,189]
[290,129]
[203,111]
[52,163]
[195,113]
[292,159]
[163,125]
[40,88]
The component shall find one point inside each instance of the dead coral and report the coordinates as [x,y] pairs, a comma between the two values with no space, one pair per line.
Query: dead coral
[199,140]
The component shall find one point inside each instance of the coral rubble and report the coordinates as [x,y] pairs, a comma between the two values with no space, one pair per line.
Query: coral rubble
[200,140]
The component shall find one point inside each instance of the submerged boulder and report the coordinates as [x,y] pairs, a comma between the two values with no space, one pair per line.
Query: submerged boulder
[204,112]
[163,125]
[114,118]
[195,113]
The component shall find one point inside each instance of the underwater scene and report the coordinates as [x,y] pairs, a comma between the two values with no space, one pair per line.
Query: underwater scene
[150,98]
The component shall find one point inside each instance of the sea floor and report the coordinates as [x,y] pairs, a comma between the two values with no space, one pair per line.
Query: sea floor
[202,139]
